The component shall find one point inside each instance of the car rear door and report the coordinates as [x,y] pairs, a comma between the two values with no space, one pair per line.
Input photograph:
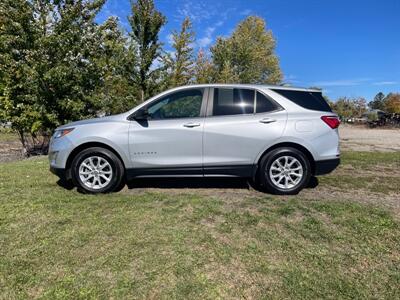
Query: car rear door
[236,131]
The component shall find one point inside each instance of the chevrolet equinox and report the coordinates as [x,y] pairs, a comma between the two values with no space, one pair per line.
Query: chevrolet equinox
[277,136]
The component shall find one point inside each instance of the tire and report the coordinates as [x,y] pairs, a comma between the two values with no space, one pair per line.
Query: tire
[284,171]
[97,170]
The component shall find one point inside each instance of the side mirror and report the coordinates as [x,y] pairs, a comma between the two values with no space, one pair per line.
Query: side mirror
[141,115]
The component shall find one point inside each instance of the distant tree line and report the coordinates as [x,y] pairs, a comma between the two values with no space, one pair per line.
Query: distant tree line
[347,107]
[59,65]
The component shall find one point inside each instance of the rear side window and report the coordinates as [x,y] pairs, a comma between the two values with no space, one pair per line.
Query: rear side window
[233,102]
[264,104]
[308,100]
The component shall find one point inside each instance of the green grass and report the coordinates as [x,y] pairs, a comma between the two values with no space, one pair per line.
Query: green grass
[370,171]
[59,244]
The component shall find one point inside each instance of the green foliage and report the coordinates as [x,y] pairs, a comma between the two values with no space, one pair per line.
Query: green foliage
[392,103]
[249,54]
[350,107]
[389,103]
[181,62]
[117,91]
[204,70]
[372,116]
[48,53]
[378,102]
[146,23]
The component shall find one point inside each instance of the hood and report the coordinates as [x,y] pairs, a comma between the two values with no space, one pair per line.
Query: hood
[113,118]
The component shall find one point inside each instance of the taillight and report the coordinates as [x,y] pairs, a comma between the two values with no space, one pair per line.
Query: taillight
[332,121]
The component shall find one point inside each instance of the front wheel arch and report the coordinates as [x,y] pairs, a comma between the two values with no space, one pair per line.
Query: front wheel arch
[84,146]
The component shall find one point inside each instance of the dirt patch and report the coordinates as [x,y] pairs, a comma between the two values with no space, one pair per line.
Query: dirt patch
[10,148]
[359,138]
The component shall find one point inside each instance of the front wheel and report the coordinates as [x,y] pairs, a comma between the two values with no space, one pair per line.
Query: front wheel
[285,171]
[97,170]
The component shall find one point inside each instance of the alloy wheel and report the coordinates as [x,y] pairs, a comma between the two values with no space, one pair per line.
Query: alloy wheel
[286,172]
[95,172]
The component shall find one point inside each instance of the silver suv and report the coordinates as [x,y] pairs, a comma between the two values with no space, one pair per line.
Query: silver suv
[277,136]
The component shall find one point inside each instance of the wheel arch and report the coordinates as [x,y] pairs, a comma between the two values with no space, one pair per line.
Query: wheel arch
[286,144]
[87,145]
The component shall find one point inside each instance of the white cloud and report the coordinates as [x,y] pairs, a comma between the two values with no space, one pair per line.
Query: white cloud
[196,11]
[209,35]
[204,42]
[385,83]
[170,39]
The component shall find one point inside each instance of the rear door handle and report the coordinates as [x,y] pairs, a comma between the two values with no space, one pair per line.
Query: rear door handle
[191,125]
[267,120]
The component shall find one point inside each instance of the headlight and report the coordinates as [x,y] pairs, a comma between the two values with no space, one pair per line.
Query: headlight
[62,132]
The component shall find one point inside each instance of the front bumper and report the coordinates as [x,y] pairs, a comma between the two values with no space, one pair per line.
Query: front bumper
[59,151]
[326,166]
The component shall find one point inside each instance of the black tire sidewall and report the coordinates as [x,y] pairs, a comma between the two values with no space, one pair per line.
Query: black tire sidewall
[112,159]
[271,157]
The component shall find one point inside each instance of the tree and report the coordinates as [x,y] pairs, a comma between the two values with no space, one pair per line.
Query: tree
[181,61]
[250,53]
[378,102]
[48,52]
[204,71]
[117,92]
[360,106]
[392,103]
[146,23]
[350,107]
[227,74]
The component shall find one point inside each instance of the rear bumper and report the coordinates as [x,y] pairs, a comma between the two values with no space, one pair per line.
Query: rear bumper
[326,166]
[60,173]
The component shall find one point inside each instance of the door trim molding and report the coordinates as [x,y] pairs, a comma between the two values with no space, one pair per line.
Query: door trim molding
[193,171]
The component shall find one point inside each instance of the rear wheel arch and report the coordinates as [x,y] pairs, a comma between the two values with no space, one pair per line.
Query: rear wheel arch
[299,147]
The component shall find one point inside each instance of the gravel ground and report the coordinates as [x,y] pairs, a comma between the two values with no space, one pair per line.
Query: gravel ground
[359,138]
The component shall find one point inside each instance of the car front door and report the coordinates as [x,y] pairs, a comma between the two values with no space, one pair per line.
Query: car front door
[240,123]
[169,139]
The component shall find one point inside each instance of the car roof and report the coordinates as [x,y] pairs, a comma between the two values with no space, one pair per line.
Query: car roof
[250,86]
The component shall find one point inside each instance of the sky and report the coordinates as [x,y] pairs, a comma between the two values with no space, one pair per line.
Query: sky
[348,48]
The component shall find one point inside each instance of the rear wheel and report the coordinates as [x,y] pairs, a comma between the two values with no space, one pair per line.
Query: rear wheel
[97,170]
[285,171]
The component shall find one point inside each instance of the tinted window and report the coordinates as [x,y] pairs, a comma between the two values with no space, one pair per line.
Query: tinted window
[233,102]
[184,104]
[264,104]
[309,100]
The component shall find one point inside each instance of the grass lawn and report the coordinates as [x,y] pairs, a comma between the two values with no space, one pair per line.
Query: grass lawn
[197,243]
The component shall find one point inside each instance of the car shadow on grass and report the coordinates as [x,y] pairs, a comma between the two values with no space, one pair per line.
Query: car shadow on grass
[194,183]
[202,182]
[191,183]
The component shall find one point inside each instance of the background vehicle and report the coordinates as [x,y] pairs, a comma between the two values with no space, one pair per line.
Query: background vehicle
[278,136]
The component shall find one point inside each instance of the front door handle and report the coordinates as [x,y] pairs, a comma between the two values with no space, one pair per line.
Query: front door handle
[267,120]
[191,125]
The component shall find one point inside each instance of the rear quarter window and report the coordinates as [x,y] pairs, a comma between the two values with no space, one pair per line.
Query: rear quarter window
[308,100]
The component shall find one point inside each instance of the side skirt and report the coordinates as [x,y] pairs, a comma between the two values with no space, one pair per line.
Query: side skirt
[209,171]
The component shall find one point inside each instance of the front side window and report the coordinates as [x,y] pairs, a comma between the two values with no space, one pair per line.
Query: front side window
[182,104]
[233,102]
